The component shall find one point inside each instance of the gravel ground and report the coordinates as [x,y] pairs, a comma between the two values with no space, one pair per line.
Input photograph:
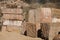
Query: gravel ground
[15,36]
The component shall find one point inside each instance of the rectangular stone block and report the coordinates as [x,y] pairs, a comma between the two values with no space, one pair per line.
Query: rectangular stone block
[3,28]
[12,28]
[45,16]
[10,11]
[11,16]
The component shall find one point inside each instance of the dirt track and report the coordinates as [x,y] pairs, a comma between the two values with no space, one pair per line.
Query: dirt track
[15,36]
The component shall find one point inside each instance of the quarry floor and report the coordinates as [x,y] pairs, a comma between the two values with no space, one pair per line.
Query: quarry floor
[15,36]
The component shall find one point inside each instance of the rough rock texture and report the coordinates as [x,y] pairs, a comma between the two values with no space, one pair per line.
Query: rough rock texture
[54,29]
[31,30]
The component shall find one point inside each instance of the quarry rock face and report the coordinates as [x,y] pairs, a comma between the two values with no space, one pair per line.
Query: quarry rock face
[15,14]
